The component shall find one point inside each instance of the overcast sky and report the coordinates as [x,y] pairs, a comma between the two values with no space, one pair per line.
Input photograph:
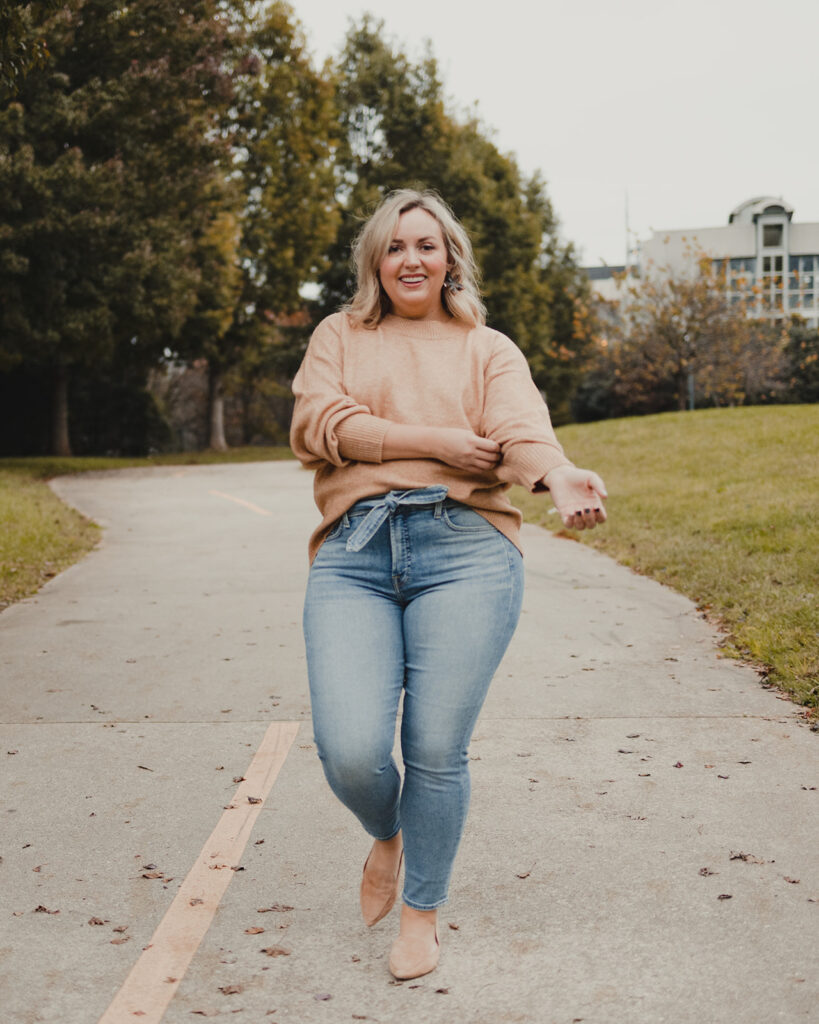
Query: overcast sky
[688,108]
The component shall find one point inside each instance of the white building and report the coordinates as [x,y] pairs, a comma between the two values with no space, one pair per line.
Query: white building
[760,248]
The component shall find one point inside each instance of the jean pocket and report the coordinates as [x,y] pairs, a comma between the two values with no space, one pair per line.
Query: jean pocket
[335,529]
[464,519]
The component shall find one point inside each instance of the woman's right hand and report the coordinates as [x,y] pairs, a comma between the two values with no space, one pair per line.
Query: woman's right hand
[464,450]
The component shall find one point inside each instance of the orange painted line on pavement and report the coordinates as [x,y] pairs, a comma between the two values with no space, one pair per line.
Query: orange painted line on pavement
[241,501]
[154,979]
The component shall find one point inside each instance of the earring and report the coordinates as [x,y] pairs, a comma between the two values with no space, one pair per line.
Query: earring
[453,286]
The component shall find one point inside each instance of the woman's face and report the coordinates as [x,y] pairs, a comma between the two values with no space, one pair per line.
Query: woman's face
[413,271]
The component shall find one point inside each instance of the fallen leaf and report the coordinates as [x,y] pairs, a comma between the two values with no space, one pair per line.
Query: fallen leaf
[679,764]
[38,869]
[206,1013]
[278,908]
[633,736]
[725,896]
[323,997]
[524,875]
[723,776]
[171,981]
[44,910]
[454,927]
[195,902]
[275,951]
[744,762]
[709,766]
[258,842]
[144,768]
[238,778]
[122,939]
[230,990]
[254,799]
[621,751]
[706,872]
[96,920]
[793,881]
[645,775]
[748,858]
[442,991]
[253,931]
[149,867]
[152,874]
[121,928]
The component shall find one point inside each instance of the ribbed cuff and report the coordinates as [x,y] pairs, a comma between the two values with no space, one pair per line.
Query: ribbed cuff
[528,462]
[361,437]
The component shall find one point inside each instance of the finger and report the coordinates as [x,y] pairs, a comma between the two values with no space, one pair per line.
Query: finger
[486,444]
[596,484]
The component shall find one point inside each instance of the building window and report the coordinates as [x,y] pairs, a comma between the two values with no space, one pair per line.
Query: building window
[772,236]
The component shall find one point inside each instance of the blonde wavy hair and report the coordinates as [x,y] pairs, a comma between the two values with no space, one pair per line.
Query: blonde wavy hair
[460,297]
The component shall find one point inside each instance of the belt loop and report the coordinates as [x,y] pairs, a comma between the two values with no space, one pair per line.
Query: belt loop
[345,521]
[439,507]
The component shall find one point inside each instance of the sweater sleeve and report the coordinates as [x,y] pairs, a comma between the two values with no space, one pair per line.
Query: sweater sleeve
[516,416]
[328,425]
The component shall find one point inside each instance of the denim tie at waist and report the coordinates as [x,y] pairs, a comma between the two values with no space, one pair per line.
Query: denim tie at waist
[378,514]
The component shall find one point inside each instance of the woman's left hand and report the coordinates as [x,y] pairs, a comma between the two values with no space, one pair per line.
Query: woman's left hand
[578,495]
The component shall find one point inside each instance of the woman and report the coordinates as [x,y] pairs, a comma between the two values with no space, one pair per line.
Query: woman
[416,418]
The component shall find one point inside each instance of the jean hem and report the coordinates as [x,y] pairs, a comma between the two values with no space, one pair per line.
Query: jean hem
[384,839]
[424,906]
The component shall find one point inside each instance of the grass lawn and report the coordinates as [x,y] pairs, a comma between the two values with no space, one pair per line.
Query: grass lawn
[40,536]
[722,505]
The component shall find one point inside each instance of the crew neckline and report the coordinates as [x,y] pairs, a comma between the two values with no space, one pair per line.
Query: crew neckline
[409,328]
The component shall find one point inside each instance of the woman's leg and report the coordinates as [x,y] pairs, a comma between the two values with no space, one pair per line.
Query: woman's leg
[456,630]
[355,659]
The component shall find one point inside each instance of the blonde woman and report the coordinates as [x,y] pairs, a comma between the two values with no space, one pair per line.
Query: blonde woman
[416,418]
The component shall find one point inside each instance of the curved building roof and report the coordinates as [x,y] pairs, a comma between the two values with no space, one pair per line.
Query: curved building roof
[751,209]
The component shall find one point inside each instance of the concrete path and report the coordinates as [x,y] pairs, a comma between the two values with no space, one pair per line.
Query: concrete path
[643,844]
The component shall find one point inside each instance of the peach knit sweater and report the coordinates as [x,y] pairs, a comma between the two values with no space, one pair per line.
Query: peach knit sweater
[354,383]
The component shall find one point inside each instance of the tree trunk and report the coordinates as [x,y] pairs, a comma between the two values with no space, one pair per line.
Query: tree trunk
[216,411]
[60,440]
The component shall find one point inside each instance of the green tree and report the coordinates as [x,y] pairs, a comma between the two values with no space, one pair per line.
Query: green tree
[282,123]
[109,162]
[396,133]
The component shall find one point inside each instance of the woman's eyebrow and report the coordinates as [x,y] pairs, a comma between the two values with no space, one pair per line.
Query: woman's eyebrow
[424,238]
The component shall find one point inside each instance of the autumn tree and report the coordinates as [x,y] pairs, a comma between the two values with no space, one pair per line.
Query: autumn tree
[21,48]
[802,359]
[683,340]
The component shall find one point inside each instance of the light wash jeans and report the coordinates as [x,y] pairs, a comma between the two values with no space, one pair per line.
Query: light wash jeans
[422,598]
